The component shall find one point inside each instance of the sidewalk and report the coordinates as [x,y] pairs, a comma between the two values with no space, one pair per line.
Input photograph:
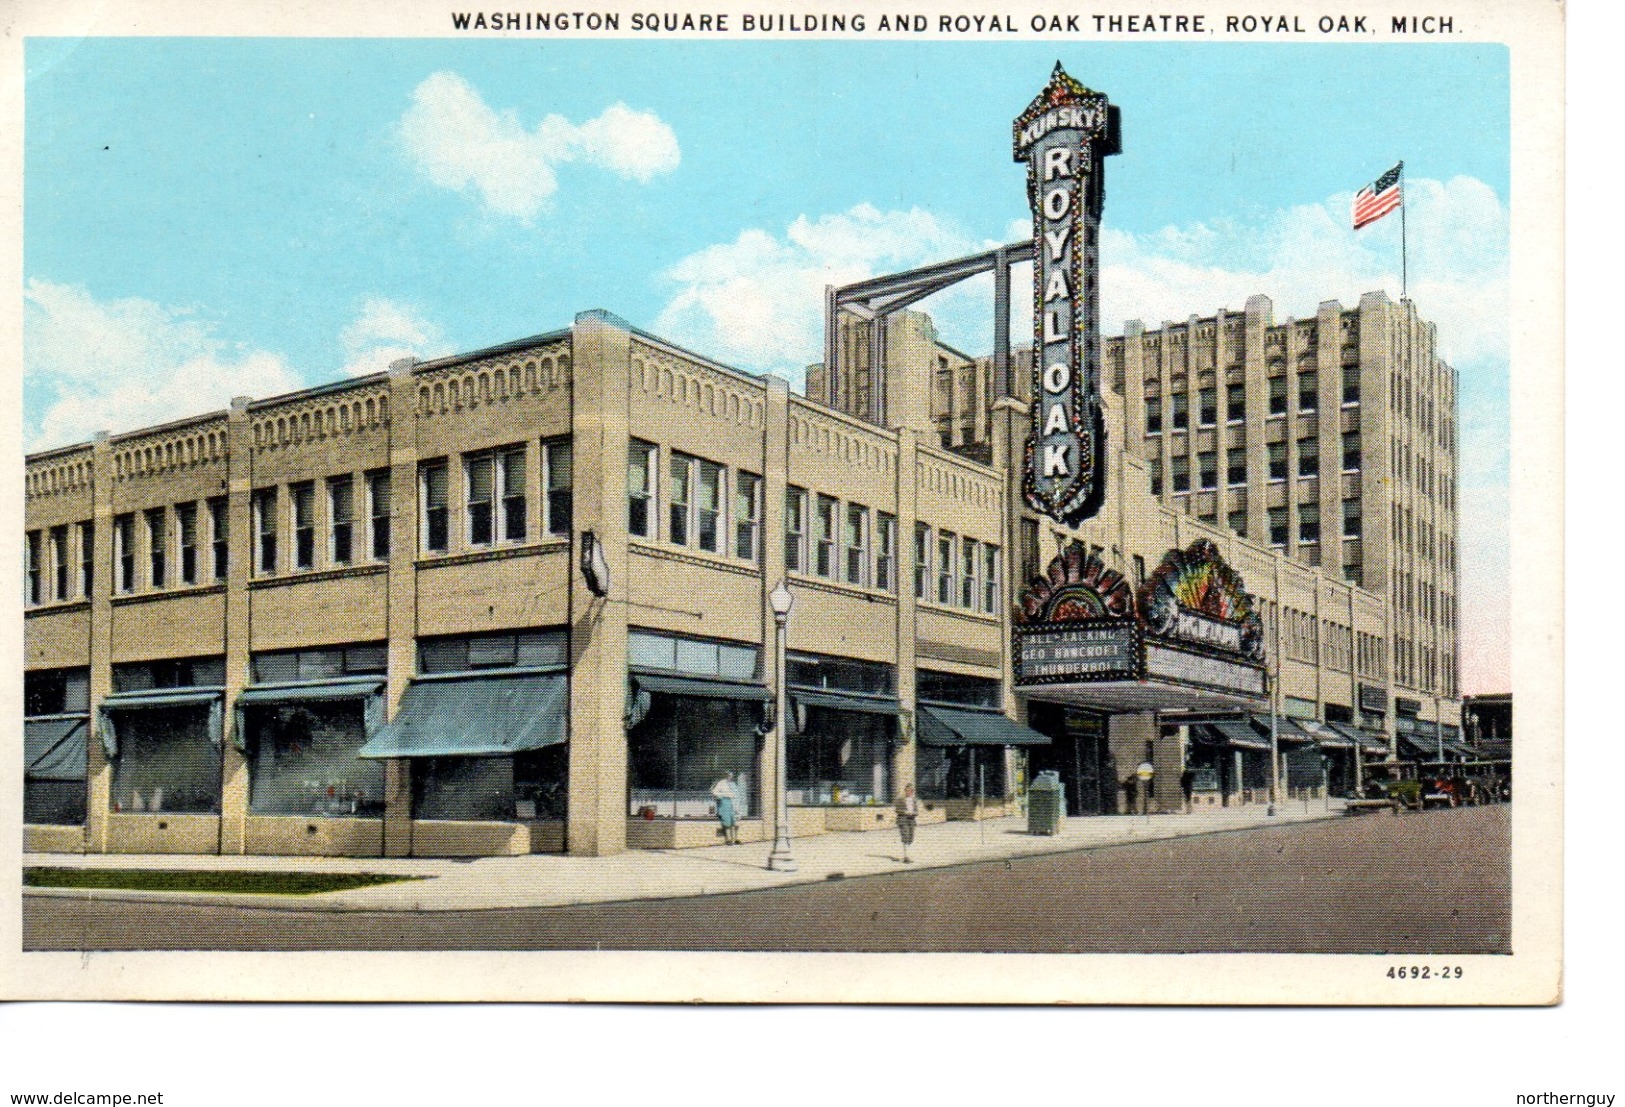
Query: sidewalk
[546,880]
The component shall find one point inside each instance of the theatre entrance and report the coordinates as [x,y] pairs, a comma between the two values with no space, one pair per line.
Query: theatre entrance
[1079,752]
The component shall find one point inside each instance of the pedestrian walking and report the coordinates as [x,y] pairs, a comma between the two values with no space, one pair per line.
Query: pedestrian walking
[1187,785]
[724,792]
[908,817]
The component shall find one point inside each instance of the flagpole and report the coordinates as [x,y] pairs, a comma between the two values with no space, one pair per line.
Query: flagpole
[1404,262]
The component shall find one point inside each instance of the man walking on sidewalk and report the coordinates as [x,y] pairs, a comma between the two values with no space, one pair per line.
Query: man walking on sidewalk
[908,816]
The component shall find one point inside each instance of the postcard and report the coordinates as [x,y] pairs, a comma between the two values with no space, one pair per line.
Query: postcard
[743,502]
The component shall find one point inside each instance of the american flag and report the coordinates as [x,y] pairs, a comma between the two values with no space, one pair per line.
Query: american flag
[1378,198]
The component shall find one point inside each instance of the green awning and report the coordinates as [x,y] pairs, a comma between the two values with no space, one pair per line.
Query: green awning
[163,697]
[1236,734]
[959,726]
[704,687]
[846,701]
[262,695]
[54,748]
[491,715]
[1287,730]
[1328,737]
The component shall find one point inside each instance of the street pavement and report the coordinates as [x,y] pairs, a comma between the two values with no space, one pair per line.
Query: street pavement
[1434,882]
[541,880]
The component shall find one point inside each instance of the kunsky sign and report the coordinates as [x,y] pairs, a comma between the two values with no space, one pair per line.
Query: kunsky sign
[1063,136]
[1192,625]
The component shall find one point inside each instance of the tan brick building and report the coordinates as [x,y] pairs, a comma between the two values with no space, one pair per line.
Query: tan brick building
[354,620]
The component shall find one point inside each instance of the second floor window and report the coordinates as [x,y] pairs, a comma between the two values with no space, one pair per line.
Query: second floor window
[680,496]
[124,551]
[795,529]
[922,561]
[157,547]
[970,574]
[217,537]
[708,488]
[341,519]
[746,514]
[186,525]
[886,552]
[265,528]
[32,552]
[560,478]
[378,512]
[87,559]
[946,545]
[303,497]
[60,567]
[434,494]
[640,489]
[990,579]
[856,541]
[824,537]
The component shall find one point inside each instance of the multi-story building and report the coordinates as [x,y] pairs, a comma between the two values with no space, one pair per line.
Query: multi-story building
[1330,440]
[518,600]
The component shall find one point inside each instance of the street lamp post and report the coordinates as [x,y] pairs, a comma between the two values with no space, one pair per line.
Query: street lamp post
[781,860]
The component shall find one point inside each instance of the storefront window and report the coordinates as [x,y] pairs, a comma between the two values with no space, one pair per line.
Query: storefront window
[167,761]
[684,746]
[500,789]
[960,772]
[304,761]
[841,758]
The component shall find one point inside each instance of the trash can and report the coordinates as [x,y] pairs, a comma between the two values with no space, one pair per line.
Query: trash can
[1044,800]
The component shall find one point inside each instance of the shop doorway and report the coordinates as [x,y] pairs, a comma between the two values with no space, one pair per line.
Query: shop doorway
[1078,752]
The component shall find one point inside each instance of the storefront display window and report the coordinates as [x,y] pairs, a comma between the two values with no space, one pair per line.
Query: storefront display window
[168,760]
[304,761]
[841,757]
[530,785]
[682,747]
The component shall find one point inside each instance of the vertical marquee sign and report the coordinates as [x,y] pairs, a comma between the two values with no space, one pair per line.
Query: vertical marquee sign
[1061,136]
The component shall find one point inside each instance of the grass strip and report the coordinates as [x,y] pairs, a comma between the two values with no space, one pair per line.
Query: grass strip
[205,880]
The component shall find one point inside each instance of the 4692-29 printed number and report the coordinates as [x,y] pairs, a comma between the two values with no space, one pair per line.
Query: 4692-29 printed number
[1424,972]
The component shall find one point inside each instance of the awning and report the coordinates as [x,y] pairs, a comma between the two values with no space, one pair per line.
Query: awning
[366,689]
[54,748]
[846,701]
[1325,735]
[262,695]
[1373,741]
[702,686]
[162,697]
[1237,734]
[152,699]
[1287,730]
[1425,747]
[491,715]
[961,726]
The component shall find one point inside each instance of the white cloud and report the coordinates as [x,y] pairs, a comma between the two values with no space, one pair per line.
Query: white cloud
[461,143]
[125,364]
[757,300]
[385,332]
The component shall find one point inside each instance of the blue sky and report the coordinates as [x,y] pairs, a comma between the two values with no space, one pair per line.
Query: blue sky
[213,217]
